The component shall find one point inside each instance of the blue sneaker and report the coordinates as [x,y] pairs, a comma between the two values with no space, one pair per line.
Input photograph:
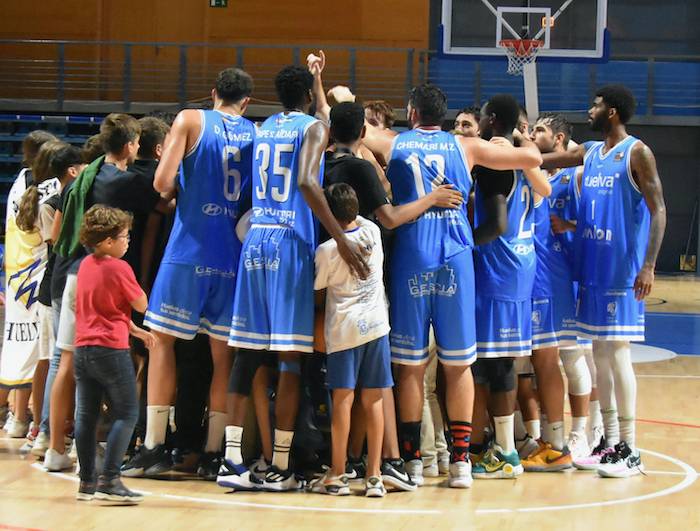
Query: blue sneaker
[495,464]
[237,477]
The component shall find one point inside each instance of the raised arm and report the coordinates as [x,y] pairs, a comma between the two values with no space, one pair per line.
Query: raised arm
[500,157]
[316,64]
[182,136]
[315,142]
[646,176]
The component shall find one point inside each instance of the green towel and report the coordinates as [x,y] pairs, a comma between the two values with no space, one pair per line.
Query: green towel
[68,241]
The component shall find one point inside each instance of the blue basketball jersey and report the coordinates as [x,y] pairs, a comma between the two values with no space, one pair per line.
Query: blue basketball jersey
[563,203]
[277,199]
[422,160]
[613,219]
[213,192]
[505,267]
[553,273]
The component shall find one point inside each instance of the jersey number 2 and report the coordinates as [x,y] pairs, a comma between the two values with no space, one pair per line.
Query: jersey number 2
[524,234]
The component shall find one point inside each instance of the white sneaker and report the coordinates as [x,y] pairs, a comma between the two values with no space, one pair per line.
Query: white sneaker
[526,446]
[18,430]
[73,452]
[414,468]
[374,487]
[55,462]
[431,471]
[444,464]
[460,475]
[597,434]
[9,421]
[259,468]
[41,444]
[578,445]
[624,463]
[281,480]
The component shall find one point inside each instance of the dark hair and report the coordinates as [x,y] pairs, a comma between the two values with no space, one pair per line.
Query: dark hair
[619,97]
[475,111]
[167,116]
[293,84]
[64,158]
[430,102]
[101,222]
[506,110]
[347,121]
[382,109]
[31,144]
[153,131]
[233,84]
[558,124]
[342,201]
[117,130]
[92,148]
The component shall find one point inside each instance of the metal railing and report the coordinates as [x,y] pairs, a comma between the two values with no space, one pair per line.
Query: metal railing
[178,73]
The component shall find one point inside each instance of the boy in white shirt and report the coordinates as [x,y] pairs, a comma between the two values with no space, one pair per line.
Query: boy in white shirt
[356,335]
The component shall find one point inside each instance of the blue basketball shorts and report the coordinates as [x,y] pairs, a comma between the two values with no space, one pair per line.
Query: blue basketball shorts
[188,299]
[365,367]
[443,297]
[274,304]
[554,321]
[611,314]
[503,328]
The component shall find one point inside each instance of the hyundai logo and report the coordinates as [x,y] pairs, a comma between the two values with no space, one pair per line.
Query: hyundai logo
[212,209]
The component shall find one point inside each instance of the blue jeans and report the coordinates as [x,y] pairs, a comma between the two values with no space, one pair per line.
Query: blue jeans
[104,371]
[53,369]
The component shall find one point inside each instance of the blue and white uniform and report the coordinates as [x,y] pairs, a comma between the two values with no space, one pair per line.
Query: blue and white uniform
[194,288]
[553,300]
[611,239]
[505,274]
[274,304]
[432,272]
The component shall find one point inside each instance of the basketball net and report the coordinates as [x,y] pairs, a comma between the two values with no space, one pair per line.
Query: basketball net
[520,52]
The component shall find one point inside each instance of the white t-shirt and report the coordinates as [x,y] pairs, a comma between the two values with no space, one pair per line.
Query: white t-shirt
[356,310]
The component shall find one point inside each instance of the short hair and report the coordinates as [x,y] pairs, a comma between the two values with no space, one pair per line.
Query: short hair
[506,110]
[153,131]
[233,84]
[117,130]
[382,109]
[292,85]
[64,158]
[101,222]
[620,98]
[342,201]
[92,148]
[32,142]
[347,121]
[430,102]
[558,124]
[474,110]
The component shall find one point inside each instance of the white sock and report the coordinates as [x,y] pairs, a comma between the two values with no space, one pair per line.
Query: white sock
[505,435]
[215,435]
[533,428]
[520,429]
[234,435]
[602,353]
[595,419]
[554,434]
[578,425]
[625,389]
[612,427]
[283,444]
[156,425]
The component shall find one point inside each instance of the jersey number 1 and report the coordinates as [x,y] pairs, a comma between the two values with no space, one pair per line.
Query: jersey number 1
[435,161]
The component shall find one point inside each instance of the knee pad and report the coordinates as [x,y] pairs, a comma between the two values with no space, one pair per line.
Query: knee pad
[291,366]
[577,373]
[480,371]
[588,354]
[503,375]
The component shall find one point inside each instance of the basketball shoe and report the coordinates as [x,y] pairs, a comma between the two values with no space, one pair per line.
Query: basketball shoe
[526,446]
[622,463]
[281,480]
[332,485]
[148,462]
[259,468]
[355,469]
[208,466]
[414,467]
[578,445]
[593,461]
[547,459]
[494,464]
[237,477]
[374,487]
[113,490]
[460,476]
[394,475]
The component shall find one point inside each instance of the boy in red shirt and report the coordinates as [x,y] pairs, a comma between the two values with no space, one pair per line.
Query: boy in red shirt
[106,293]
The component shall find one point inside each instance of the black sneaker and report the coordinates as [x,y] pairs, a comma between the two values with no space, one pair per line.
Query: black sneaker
[394,475]
[148,462]
[113,490]
[282,480]
[86,491]
[355,469]
[209,464]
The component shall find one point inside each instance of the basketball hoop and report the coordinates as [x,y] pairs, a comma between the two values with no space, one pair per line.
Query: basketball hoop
[520,52]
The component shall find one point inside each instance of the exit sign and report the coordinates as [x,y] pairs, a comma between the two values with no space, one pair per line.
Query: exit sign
[218,3]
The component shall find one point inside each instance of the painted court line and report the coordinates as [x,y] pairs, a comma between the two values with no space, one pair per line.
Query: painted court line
[675,376]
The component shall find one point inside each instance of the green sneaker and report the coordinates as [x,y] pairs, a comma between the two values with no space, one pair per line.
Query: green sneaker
[494,464]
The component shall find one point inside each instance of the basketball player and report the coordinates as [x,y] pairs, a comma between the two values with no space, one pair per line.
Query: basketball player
[273,308]
[554,313]
[505,271]
[467,122]
[620,227]
[432,277]
[207,158]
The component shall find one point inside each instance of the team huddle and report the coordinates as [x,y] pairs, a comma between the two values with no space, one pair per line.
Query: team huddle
[444,275]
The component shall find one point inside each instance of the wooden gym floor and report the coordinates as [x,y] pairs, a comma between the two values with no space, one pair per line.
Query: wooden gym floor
[666,498]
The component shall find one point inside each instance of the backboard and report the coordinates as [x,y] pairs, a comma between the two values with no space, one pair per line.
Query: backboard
[571,29]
